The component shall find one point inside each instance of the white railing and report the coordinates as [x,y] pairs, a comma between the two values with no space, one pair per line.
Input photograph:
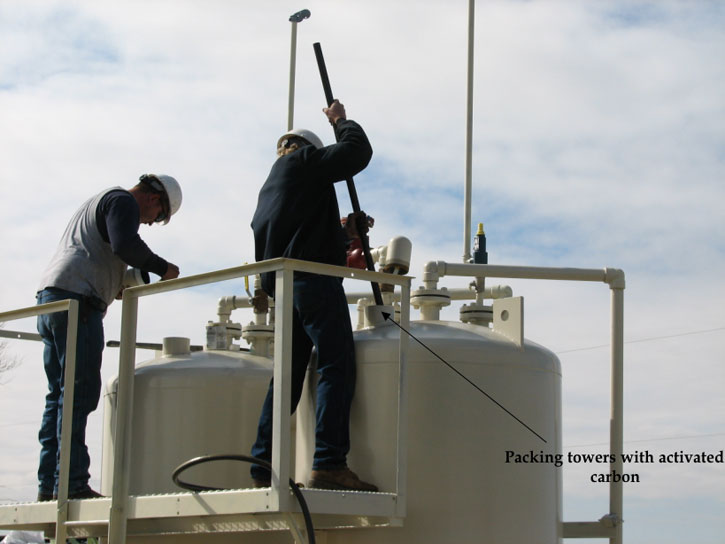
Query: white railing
[279,499]
[70,306]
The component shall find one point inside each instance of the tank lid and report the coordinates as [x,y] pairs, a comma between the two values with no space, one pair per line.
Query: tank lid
[175,345]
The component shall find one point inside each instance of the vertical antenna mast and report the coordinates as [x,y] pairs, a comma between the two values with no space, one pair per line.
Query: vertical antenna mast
[469,140]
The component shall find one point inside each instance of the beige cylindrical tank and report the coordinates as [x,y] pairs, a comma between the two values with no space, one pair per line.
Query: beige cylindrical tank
[460,489]
[187,405]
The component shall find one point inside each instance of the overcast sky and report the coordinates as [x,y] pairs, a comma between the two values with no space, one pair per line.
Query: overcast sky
[598,142]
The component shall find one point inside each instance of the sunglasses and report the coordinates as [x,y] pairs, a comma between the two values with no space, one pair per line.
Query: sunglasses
[164,213]
[159,188]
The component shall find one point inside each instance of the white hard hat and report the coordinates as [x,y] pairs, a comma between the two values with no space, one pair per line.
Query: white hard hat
[170,186]
[307,135]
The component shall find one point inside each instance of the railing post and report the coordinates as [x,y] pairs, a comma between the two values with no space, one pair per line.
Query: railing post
[67,418]
[124,414]
[616,437]
[402,449]
[282,390]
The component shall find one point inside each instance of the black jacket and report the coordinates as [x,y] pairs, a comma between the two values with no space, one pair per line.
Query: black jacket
[297,214]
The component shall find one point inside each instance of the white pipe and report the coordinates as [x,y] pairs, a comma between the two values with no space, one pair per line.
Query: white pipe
[490,293]
[227,304]
[430,313]
[616,433]
[292,62]
[294,19]
[612,276]
[469,138]
[260,319]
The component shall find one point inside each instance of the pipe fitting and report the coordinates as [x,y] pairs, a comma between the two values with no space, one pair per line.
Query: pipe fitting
[395,259]
[362,303]
[499,291]
[614,277]
[476,313]
[225,305]
[430,302]
[432,273]
[175,346]
[221,335]
[260,338]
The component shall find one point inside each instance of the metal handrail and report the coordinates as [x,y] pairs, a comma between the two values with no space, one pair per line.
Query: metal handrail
[70,306]
[284,269]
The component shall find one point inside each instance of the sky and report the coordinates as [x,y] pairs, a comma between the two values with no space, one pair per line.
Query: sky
[598,141]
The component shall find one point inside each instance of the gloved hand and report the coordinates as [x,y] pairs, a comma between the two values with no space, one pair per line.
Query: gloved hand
[356,255]
[356,223]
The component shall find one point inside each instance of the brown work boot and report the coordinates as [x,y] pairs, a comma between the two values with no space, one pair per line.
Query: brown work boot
[84,493]
[342,478]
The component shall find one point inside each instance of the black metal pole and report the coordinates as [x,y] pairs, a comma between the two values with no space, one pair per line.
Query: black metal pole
[350,183]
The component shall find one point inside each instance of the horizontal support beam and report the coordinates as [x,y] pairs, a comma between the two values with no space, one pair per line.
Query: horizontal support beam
[587,529]
[19,335]
[612,276]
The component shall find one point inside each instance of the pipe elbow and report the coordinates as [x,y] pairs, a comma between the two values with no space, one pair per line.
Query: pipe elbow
[614,277]
[431,273]
[434,269]
[501,291]
[225,305]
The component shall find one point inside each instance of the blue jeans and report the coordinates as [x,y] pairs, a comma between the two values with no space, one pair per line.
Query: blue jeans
[52,328]
[321,319]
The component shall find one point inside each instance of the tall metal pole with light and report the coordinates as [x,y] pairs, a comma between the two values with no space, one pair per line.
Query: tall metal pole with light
[469,138]
[294,19]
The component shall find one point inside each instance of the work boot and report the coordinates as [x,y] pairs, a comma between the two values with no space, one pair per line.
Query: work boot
[261,483]
[267,483]
[342,478]
[44,497]
[86,493]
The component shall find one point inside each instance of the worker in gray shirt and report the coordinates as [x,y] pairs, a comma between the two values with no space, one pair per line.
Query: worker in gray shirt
[99,243]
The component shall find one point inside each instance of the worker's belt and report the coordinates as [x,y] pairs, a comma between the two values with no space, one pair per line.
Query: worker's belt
[87,302]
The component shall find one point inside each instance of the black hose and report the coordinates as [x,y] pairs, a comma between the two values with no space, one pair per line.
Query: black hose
[249,459]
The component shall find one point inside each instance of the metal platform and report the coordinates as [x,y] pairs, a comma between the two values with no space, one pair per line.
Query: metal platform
[208,512]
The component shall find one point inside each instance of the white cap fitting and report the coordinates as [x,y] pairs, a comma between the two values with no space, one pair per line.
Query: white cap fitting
[175,345]
[398,253]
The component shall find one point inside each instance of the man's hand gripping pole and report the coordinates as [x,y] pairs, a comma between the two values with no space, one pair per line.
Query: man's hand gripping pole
[350,183]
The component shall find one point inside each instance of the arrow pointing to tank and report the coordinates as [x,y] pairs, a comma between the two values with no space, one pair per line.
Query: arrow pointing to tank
[388,317]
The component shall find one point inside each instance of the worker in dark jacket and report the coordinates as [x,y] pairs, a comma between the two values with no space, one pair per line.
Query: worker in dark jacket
[297,216]
[89,265]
